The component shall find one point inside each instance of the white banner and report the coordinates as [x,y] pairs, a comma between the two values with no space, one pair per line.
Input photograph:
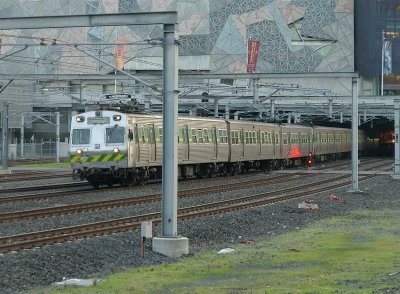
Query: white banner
[387,57]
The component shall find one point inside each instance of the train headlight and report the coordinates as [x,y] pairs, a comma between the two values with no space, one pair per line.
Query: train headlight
[79,151]
[80,119]
[116,150]
[117,117]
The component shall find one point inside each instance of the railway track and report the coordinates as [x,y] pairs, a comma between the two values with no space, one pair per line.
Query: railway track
[93,206]
[36,239]
[36,175]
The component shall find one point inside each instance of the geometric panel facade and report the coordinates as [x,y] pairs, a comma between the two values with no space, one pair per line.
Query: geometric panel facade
[295,35]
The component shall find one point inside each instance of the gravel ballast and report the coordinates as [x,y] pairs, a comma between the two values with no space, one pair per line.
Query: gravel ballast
[100,256]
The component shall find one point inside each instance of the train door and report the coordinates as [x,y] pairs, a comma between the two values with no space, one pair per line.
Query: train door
[185,140]
[134,149]
[152,143]
[214,141]
[241,143]
[273,142]
[133,145]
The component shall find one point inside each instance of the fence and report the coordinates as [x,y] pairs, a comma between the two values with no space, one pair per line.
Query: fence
[46,149]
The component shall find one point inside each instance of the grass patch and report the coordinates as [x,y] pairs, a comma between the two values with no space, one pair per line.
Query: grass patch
[359,253]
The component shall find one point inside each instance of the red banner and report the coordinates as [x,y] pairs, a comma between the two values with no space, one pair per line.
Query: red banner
[120,51]
[253,46]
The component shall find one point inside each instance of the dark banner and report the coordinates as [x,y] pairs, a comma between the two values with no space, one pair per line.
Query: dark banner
[253,47]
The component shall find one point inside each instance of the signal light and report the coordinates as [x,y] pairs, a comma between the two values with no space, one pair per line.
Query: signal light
[117,117]
[309,160]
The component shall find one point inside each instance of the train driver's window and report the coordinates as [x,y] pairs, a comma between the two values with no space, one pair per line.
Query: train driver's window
[115,135]
[80,136]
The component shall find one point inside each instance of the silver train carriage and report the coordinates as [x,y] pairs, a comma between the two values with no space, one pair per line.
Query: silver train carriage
[109,147]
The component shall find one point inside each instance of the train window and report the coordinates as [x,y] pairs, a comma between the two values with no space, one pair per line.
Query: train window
[185,135]
[136,134]
[205,134]
[142,135]
[152,139]
[285,138]
[115,135]
[277,138]
[258,137]
[246,136]
[194,136]
[213,139]
[234,137]
[269,141]
[160,135]
[343,137]
[330,138]
[200,138]
[80,136]
[130,135]
[263,138]
[224,137]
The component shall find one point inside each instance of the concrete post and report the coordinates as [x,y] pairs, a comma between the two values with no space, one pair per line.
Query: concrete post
[354,135]
[272,108]
[330,102]
[226,111]
[256,98]
[216,108]
[4,128]
[57,137]
[236,116]
[396,139]
[341,117]
[170,121]
[170,244]
[22,135]
[289,120]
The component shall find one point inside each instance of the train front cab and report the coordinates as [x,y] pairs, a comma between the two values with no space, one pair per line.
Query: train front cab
[98,146]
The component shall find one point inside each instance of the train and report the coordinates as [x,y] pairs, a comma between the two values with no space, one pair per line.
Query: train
[386,141]
[112,146]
